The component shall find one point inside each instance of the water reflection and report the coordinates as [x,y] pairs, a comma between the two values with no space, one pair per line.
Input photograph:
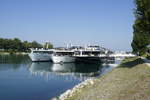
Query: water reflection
[14,59]
[48,69]
[79,70]
[14,62]
[63,68]
[17,73]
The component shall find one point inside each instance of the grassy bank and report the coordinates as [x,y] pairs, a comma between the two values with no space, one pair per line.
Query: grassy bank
[130,81]
[8,53]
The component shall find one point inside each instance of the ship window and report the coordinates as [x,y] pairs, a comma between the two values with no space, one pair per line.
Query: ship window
[49,52]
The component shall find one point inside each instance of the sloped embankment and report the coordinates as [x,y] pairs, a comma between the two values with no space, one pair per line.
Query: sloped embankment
[130,81]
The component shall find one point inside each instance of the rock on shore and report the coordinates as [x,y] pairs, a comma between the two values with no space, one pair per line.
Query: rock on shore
[70,92]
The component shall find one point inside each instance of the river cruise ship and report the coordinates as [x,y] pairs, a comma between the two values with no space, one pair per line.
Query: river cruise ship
[63,56]
[88,54]
[40,54]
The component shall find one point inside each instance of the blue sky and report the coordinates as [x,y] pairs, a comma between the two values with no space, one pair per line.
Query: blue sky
[104,22]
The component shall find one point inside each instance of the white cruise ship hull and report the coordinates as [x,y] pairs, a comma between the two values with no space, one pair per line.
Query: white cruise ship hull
[63,59]
[40,57]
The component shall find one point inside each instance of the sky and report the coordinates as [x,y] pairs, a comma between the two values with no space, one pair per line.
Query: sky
[107,23]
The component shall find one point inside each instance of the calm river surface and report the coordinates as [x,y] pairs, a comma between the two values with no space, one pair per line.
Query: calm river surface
[20,79]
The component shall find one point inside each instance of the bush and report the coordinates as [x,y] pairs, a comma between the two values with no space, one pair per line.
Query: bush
[148,57]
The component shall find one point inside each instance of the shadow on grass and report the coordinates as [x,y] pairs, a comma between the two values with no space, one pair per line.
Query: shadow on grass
[132,63]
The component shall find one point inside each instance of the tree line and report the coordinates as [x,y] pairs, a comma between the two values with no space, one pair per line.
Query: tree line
[141,34]
[16,45]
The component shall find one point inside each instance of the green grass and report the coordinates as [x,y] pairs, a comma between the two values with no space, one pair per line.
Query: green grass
[131,62]
[148,57]
[130,81]
[11,52]
[3,52]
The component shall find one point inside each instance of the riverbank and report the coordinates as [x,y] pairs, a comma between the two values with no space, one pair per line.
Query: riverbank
[130,81]
[16,53]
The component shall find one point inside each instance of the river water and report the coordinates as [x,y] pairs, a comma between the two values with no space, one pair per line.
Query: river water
[21,79]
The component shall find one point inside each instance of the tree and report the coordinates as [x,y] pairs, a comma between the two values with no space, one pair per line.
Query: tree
[1,43]
[26,45]
[141,34]
[16,44]
[34,44]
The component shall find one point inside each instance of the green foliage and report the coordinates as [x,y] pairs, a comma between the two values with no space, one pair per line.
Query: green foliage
[16,45]
[141,35]
[34,44]
[148,57]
